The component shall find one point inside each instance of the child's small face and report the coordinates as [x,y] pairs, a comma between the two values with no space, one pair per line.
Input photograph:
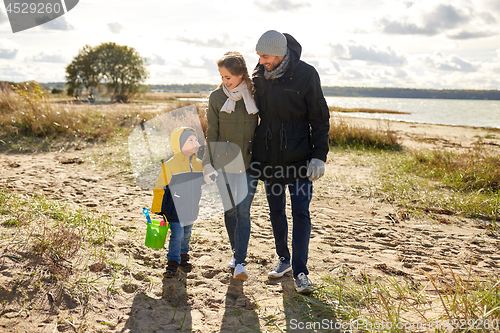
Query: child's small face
[191,146]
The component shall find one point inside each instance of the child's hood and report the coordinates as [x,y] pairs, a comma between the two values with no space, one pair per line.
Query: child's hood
[175,138]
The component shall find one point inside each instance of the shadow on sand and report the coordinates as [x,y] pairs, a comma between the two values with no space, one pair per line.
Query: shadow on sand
[170,313]
[240,314]
[304,313]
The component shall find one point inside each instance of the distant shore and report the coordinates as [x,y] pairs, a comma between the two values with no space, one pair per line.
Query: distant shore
[333,91]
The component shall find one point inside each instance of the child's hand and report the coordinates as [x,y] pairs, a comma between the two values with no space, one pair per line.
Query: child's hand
[209,174]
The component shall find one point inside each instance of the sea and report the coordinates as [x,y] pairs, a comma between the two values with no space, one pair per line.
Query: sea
[475,113]
[459,112]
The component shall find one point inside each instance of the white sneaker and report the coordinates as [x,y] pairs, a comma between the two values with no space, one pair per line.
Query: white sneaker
[279,269]
[302,285]
[240,273]
[232,263]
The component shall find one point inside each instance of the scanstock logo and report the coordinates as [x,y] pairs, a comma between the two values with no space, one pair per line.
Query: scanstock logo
[26,14]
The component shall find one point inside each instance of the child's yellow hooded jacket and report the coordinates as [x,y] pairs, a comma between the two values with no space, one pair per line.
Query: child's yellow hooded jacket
[177,191]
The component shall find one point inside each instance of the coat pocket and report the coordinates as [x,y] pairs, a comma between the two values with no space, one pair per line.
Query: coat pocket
[260,150]
[296,147]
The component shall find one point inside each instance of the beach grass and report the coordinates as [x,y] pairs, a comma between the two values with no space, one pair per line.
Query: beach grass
[49,232]
[345,134]
[363,110]
[471,171]
[158,97]
[26,112]
[459,184]
[357,301]
[29,120]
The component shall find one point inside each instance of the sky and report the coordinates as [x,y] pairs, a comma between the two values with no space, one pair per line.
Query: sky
[427,44]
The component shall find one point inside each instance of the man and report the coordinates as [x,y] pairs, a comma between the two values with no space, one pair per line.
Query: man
[290,145]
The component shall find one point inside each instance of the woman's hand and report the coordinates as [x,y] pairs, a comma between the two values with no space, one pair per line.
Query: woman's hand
[209,174]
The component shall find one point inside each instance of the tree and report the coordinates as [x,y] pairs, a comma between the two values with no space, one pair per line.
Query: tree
[83,72]
[120,68]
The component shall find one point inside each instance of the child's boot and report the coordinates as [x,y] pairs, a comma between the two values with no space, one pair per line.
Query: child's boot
[186,266]
[171,269]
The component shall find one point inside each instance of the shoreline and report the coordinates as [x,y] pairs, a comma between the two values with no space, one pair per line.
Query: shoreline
[350,116]
[424,135]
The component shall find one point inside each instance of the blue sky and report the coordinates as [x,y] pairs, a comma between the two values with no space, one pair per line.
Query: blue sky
[438,44]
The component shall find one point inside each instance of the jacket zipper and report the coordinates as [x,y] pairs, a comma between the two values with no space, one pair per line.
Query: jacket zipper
[192,186]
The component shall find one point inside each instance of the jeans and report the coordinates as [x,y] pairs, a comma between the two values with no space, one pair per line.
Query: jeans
[237,192]
[179,241]
[300,196]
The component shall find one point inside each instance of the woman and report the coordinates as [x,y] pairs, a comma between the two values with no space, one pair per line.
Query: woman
[232,118]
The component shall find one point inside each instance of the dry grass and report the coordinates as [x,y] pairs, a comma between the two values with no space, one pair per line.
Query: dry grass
[363,110]
[166,96]
[390,304]
[26,112]
[57,246]
[461,184]
[26,115]
[475,170]
[346,135]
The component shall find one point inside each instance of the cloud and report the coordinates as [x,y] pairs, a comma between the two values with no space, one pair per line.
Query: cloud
[408,4]
[54,57]
[336,66]
[464,34]
[420,21]
[3,16]
[60,23]
[115,27]
[452,63]
[488,18]
[493,5]
[8,49]
[393,73]
[280,5]
[352,73]
[13,73]
[156,60]
[370,54]
[200,63]
[458,19]
[220,41]
[374,76]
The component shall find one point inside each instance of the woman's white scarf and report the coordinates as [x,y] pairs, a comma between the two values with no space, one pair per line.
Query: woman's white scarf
[235,94]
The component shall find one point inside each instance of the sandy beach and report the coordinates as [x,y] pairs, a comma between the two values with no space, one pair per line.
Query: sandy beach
[351,232]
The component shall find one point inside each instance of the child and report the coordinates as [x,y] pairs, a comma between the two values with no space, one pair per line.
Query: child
[177,194]
[232,118]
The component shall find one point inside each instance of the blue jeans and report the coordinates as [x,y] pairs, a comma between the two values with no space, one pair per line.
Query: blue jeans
[237,192]
[300,197]
[179,241]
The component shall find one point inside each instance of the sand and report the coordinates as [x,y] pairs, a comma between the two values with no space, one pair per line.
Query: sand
[351,232]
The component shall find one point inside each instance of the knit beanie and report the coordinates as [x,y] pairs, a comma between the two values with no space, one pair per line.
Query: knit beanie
[272,43]
[185,135]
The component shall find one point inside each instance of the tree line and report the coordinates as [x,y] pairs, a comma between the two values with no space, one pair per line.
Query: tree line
[355,91]
[335,91]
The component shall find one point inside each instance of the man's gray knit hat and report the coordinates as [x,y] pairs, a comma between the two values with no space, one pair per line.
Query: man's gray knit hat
[272,43]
